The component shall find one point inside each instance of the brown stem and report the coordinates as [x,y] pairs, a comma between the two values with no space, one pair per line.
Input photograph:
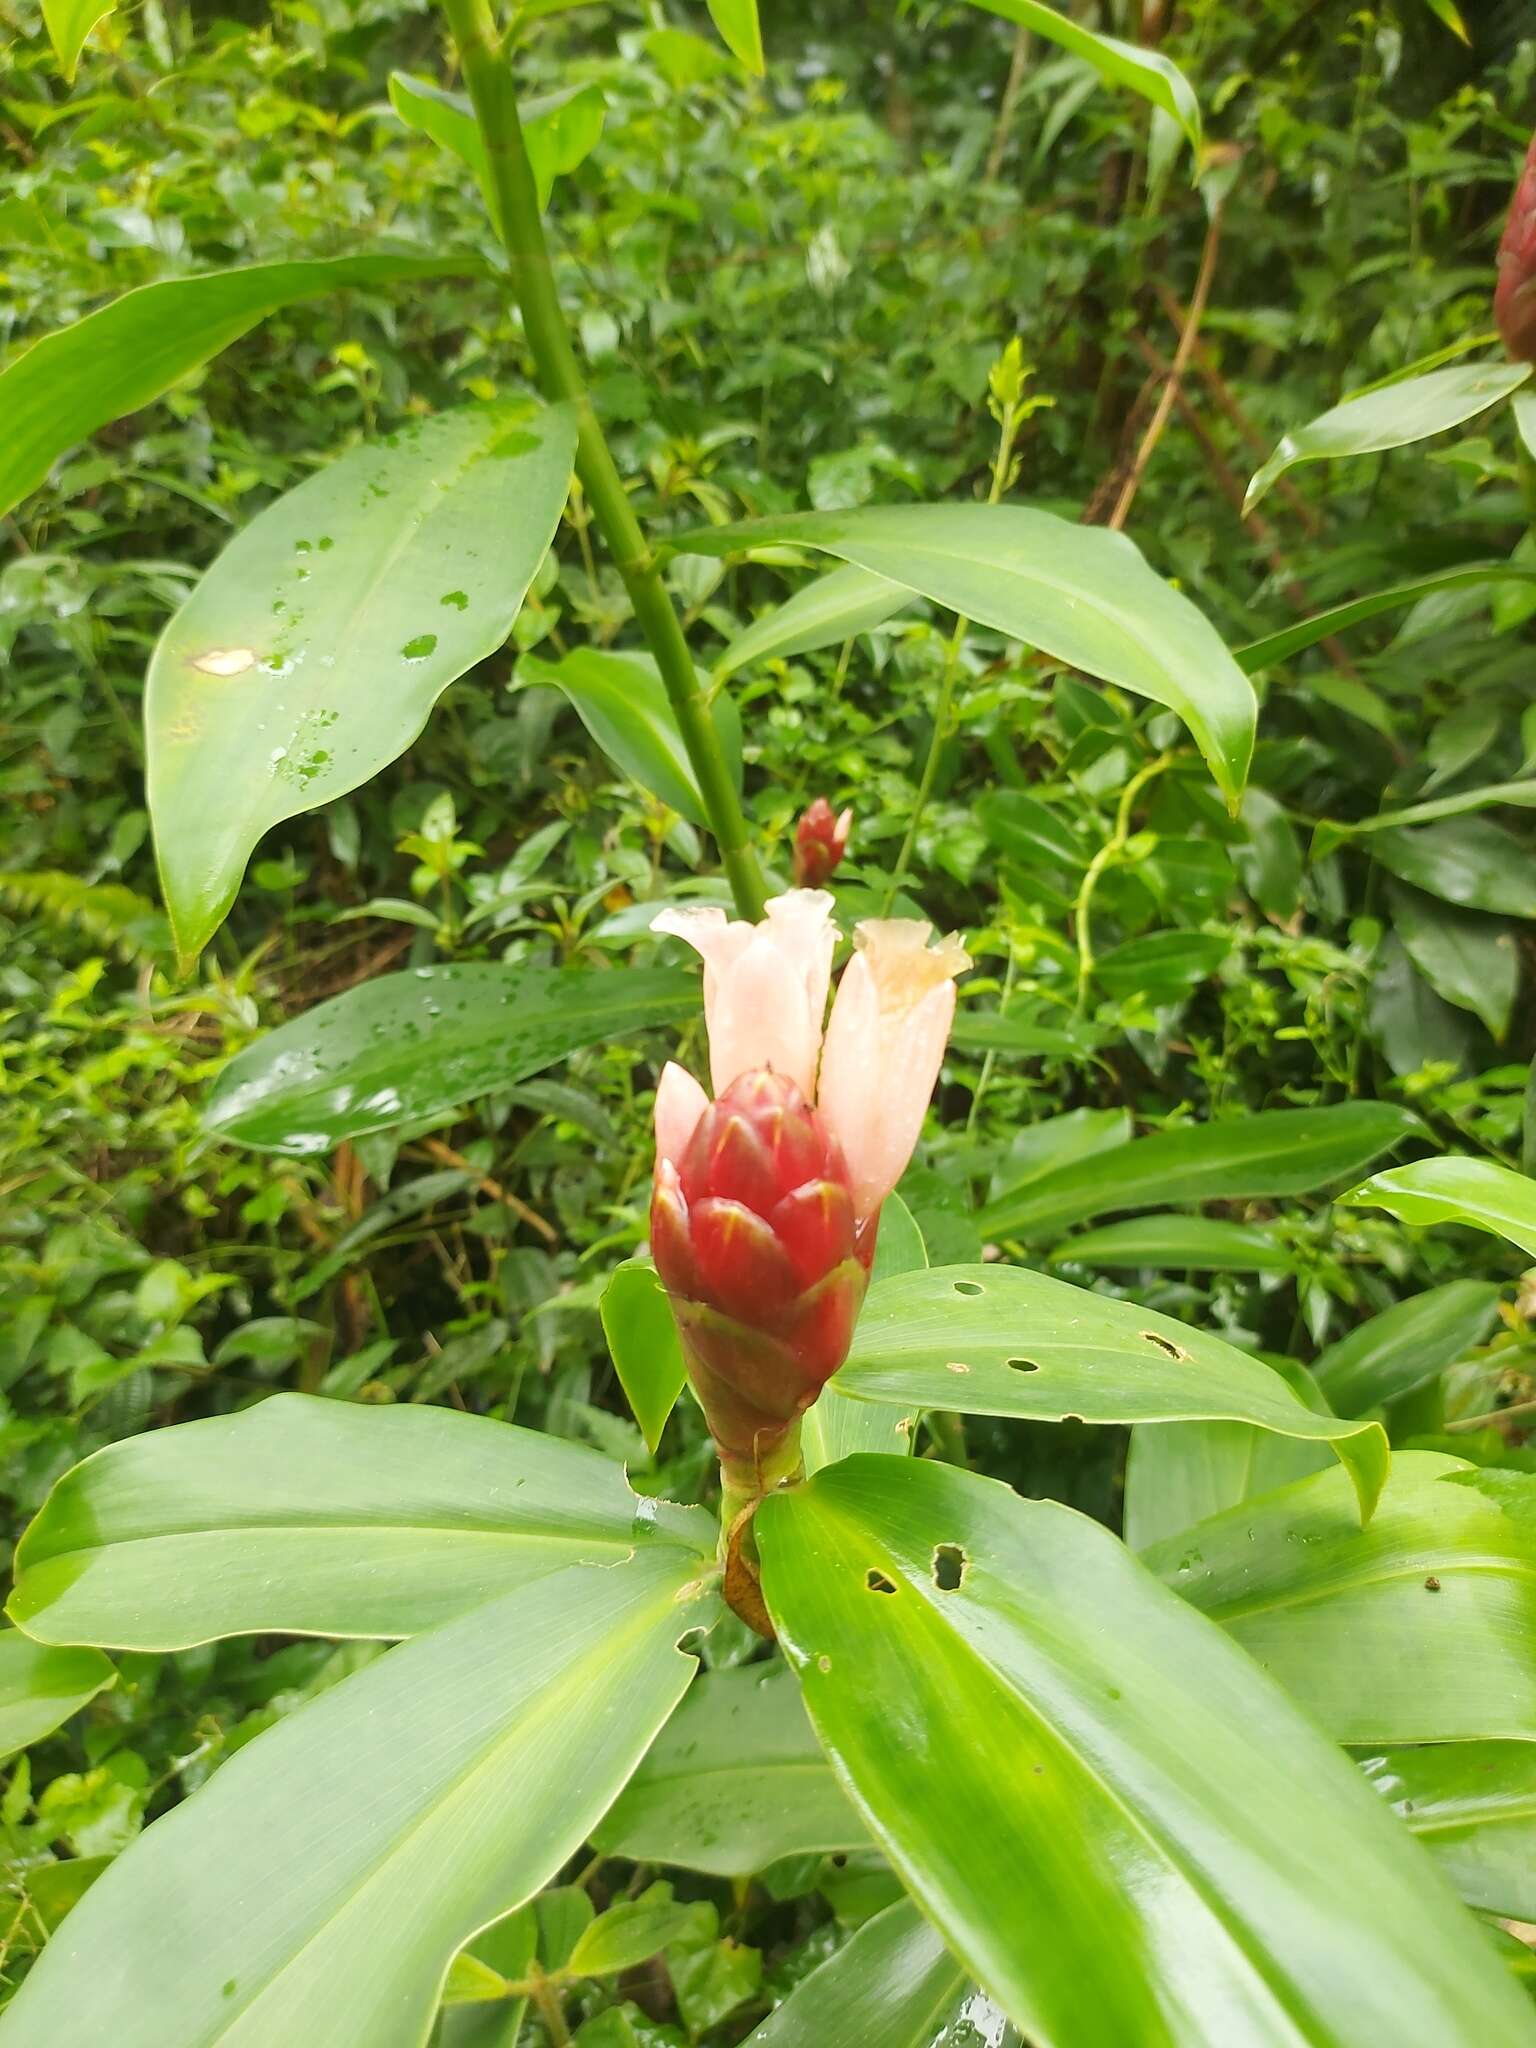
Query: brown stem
[1170,391]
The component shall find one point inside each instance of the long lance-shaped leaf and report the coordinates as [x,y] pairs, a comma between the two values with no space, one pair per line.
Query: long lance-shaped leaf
[1293,640]
[736,1781]
[128,352]
[1125,1830]
[1082,594]
[894,1985]
[40,1687]
[412,1045]
[836,606]
[1476,1192]
[320,1518]
[1156,77]
[1276,1152]
[1420,1628]
[313,650]
[1332,831]
[996,1340]
[1391,416]
[318,1885]
[1473,1806]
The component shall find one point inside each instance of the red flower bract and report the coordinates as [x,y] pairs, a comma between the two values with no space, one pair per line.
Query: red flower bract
[821,840]
[1514,298]
[754,1237]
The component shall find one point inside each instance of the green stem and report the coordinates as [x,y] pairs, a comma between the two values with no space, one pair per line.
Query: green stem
[1107,854]
[520,224]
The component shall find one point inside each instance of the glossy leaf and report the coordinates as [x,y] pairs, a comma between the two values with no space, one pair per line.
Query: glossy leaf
[1521,794]
[126,353]
[1468,959]
[418,1044]
[1407,1344]
[893,1985]
[1161,965]
[740,31]
[621,701]
[736,1781]
[1148,72]
[1195,1244]
[1419,1628]
[1455,1190]
[1473,1807]
[311,653]
[69,22]
[835,1427]
[40,1687]
[1027,831]
[643,1344]
[1469,861]
[1392,416]
[1178,1474]
[318,1885]
[836,606]
[1133,1836]
[1275,1152]
[311,1517]
[997,1340]
[1305,633]
[1082,594]
[560,130]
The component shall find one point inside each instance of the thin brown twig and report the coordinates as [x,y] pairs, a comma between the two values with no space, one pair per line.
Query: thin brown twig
[1008,105]
[1170,391]
[446,1156]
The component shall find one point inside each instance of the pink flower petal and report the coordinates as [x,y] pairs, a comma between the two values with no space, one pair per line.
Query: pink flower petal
[680,1102]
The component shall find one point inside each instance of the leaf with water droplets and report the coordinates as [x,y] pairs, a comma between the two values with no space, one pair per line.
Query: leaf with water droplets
[313,650]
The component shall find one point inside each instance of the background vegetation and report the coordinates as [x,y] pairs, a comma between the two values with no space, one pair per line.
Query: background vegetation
[789,293]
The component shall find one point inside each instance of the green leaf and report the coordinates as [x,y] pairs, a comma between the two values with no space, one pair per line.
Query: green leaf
[1467,861]
[736,1781]
[1147,72]
[1470,960]
[1407,1344]
[1161,965]
[418,1044]
[311,1517]
[560,130]
[997,1340]
[1080,593]
[1179,1244]
[319,1884]
[69,22]
[1448,12]
[622,702]
[1456,1190]
[1418,1628]
[630,1932]
[312,651]
[1178,1474]
[835,1427]
[126,353]
[1027,831]
[1521,794]
[740,31]
[643,1343]
[834,608]
[40,1687]
[1117,1823]
[1293,640]
[1473,1806]
[1276,1152]
[1392,416]
[1270,862]
[894,1985]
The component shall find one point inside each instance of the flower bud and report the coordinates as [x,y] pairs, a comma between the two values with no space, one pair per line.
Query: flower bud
[754,1237]
[1514,298]
[821,840]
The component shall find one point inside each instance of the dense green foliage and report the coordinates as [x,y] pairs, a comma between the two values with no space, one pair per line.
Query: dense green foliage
[836,285]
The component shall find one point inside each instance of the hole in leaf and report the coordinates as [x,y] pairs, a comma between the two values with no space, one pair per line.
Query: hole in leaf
[949,1564]
[1023,1364]
[1164,1344]
[1071,1418]
[691,1642]
[877,1582]
[966,1287]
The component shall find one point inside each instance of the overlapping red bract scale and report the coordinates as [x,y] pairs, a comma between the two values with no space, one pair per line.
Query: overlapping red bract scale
[821,839]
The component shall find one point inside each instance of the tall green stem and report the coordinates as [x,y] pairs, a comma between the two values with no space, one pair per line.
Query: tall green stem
[494,93]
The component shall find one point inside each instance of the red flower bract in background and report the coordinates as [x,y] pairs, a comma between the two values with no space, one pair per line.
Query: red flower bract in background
[821,840]
[1514,298]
